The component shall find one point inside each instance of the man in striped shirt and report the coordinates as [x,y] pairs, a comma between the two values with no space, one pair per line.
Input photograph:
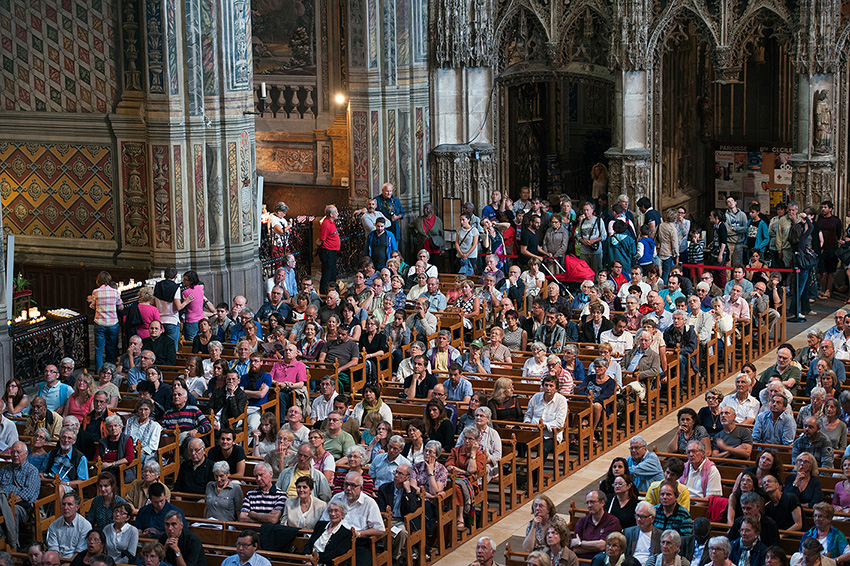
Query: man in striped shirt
[264,504]
[189,419]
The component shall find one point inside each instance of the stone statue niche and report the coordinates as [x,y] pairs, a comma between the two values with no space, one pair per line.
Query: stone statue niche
[822,141]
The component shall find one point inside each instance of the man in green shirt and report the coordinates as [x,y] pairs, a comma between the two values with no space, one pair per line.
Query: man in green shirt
[337,441]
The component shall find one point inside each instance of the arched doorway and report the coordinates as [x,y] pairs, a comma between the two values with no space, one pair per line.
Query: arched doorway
[706,109]
[556,101]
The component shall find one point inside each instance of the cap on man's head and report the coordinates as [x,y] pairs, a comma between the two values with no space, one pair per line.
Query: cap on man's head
[477,343]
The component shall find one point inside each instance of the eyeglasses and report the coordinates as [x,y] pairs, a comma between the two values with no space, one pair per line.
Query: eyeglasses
[640,516]
[351,485]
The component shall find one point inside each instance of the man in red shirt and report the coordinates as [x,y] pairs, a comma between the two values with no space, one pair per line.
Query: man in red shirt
[329,244]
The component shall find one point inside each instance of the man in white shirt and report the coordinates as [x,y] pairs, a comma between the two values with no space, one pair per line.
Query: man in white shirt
[838,328]
[644,539]
[550,409]
[295,424]
[67,534]
[745,405]
[703,478]
[620,340]
[637,279]
[324,403]
[363,515]
[8,430]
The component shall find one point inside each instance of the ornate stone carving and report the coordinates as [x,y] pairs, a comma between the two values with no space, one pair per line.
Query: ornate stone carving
[483,172]
[462,32]
[134,176]
[822,123]
[132,58]
[452,172]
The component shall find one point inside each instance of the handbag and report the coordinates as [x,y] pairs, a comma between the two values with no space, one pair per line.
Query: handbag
[595,246]
[806,259]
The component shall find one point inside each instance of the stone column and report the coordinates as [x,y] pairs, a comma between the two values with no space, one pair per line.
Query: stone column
[187,181]
[814,161]
[630,157]
[461,87]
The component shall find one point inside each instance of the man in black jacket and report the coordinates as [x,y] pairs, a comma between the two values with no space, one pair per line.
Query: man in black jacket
[160,344]
[596,324]
[399,496]
[228,402]
[681,335]
[182,546]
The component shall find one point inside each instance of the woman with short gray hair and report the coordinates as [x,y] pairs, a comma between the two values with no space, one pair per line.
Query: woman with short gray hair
[671,541]
[469,461]
[718,550]
[488,438]
[223,497]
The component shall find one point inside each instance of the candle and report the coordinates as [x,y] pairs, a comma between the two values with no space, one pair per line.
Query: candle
[263,91]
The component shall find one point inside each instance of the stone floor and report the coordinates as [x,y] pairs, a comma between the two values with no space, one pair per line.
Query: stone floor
[511,529]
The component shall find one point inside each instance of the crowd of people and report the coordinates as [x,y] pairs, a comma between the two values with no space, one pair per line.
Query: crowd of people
[335,459]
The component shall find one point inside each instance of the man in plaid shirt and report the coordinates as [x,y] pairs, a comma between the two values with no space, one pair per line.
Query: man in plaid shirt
[21,479]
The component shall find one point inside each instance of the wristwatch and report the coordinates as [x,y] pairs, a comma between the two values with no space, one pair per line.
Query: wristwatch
[177,554]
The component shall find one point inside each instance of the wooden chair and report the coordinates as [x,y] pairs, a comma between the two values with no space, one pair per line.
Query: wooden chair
[415,532]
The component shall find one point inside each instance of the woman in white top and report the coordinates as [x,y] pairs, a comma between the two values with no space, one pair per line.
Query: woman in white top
[304,511]
[122,538]
[535,366]
[419,289]
[723,321]
[142,428]
[215,348]
[533,278]
[371,403]
[323,461]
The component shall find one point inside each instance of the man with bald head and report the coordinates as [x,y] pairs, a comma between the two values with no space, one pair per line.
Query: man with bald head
[19,478]
[50,558]
[195,474]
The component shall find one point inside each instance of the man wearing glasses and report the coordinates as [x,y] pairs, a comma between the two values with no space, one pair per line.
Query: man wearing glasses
[363,516]
[138,373]
[644,466]
[54,392]
[400,497]
[644,539]
[592,529]
[246,551]
[195,474]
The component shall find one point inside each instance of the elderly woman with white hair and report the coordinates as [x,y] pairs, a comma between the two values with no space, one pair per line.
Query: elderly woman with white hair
[334,539]
[469,461]
[116,448]
[138,494]
[223,496]
[142,428]
[615,553]
[489,440]
[719,549]
[814,409]
[535,366]
[430,476]
[671,541]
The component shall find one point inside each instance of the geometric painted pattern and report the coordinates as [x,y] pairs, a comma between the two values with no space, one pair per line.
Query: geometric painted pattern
[57,56]
[58,190]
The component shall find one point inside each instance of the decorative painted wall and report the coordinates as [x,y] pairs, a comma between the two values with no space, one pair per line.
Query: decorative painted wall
[58,56]
[57,190]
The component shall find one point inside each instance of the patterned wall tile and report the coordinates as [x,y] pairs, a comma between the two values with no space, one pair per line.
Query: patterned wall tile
[233,189]
[178,198]
[135,183]
[249,188]
[375,152]
[160,169]
[57,190]
[198,159]
[58,56]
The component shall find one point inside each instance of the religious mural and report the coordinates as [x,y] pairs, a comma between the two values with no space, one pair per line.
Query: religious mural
[284,37]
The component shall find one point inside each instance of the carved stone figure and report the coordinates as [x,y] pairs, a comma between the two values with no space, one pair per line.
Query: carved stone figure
[822,123]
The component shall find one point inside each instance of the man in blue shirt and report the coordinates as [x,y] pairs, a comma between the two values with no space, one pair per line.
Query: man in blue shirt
[383,467]
[671,293]
[458,388]
[65,462]
[644,466]
[54,392]
[436,299]
[775,426]
[246,551]
[150,520]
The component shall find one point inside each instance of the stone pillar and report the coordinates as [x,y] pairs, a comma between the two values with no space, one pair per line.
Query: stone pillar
[187,182]
[630,157]
[814,161]
[461,87]
[6,363]
[389,106]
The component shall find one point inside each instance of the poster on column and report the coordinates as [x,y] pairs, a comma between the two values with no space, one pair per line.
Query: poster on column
[759,173]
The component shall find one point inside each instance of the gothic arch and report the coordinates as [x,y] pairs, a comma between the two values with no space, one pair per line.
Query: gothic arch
[585,13]
[750,30]
[670,27]
[513,28]
[842,45]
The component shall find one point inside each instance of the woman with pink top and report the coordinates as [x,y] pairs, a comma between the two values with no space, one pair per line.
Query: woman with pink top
[148,311]
[193,301]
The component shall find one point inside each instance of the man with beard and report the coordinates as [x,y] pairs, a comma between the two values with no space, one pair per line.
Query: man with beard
[66,462]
